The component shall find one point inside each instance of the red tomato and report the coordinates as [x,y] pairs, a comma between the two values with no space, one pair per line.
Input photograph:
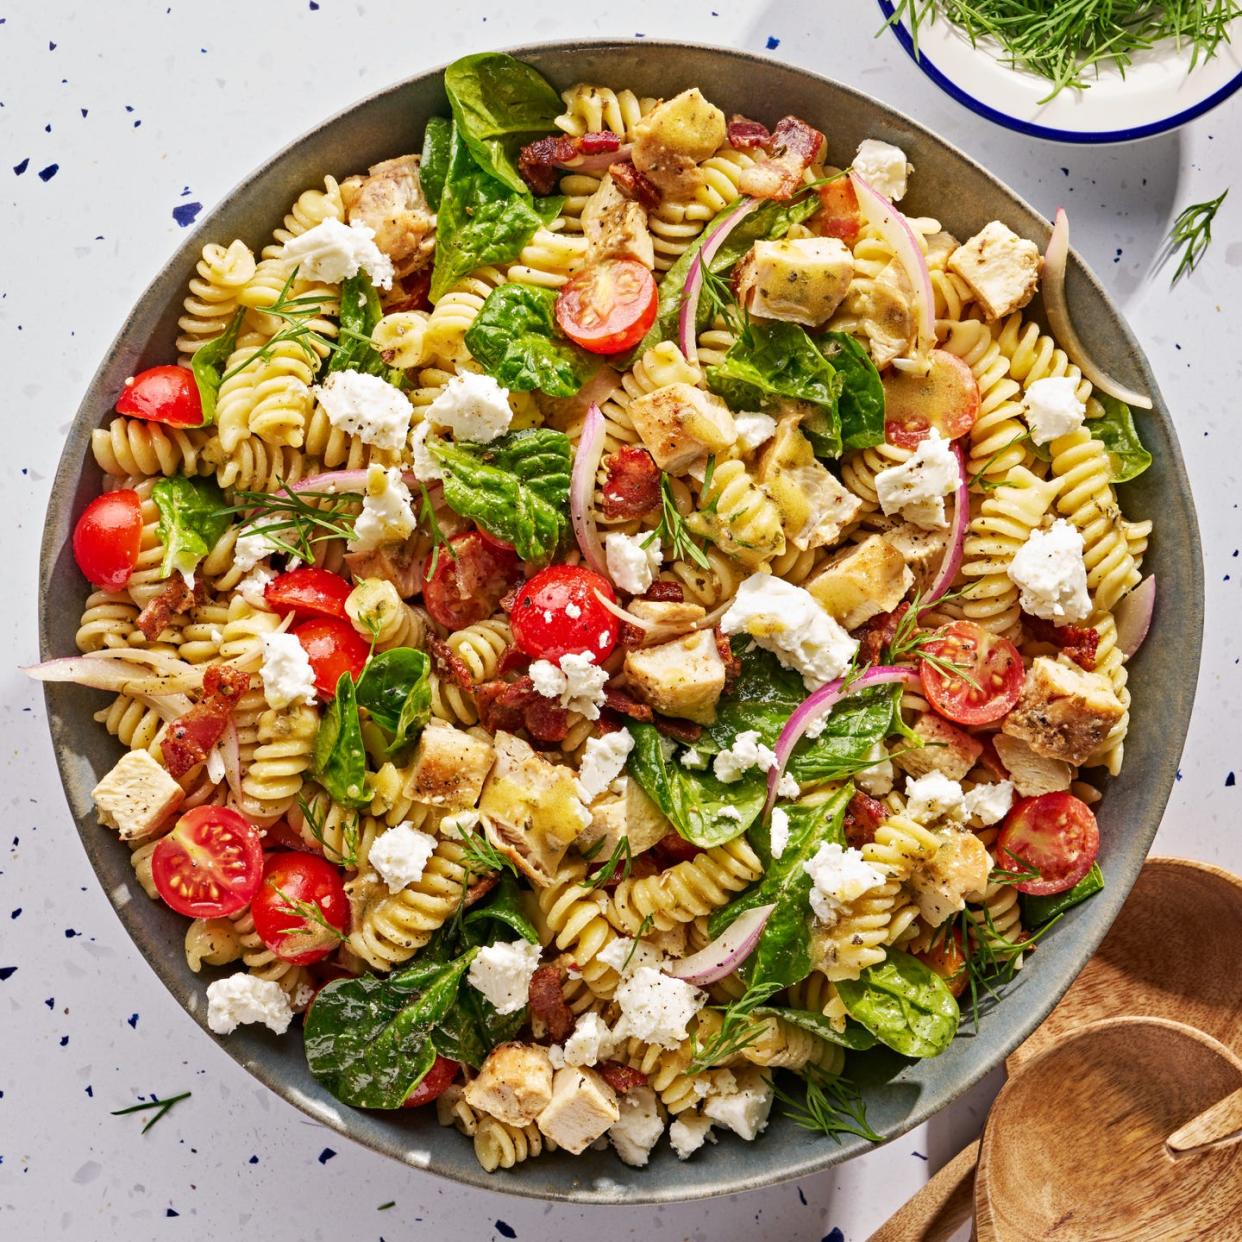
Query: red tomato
[468,582]
[308,592]
[946,958]
[334,647]
[1056,834]
[210,865]
[608,306]
[283,835]
[291,884]
[107,537]
[556,613]
[838,215]
[993,663]
[435,1082]
[946,398]
[162,395]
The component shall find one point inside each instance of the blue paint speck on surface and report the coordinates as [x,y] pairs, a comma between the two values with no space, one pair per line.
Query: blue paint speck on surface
[326,1155]
[505,1229]
[51,47]
[171,1212]
[84,111]
[90,1090]
[7,972]
[773,43]
[186,213]
[21,168]
[1230,781]
[919,1154]
[314,6]
[133,1020]
[16,913]
[801,1196]
[51,1000]
[46,174]
[253,1160]
[64,1041]
[70,933]
[834,1235]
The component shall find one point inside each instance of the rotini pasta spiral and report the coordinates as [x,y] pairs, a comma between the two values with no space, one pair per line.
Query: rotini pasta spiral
[212,297]
[737,514]
[133,446]
[377,612]
[595,109]
[575,920]
[285,741]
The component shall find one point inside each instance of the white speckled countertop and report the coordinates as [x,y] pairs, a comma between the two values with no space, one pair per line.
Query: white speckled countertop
[113,130]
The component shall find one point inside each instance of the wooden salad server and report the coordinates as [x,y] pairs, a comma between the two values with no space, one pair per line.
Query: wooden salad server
[1217,1126]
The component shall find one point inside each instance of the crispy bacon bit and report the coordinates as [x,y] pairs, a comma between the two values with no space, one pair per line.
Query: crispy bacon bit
[1078,642]
[447,663]
[795,147]
[514,660]
[878,633]
[174,598]
[733,665]
[747,135]
[481,886]
[513,705]
[540,161]
[547,1003]
[397,563]
[862,817]
[632,484]
[193,734]
[673,848]
[635,185]
[598,142]
[417,290]
[671,592]
[679,730]
[838,215]
[625,704]
[621,1078]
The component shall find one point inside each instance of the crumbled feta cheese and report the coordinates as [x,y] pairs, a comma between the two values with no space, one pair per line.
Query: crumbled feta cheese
[639,1127]
[817,726]
[332,252]
[626,956]
[252,546]
[502,973]
[934,797]
[633,560]
[366,406]
[473,407]
[689,1132]
[745,1110]
[877,780]
[691,758]
[457,825]
[753,429]
[426,470]
[1051,576]
[591,1041]
[789,622]
[603,761]
[729,812]
[839,876]
[286,671]
[668,748]
[746,752]
[245,998]
[302,997]
[1052,408]
[655,1007]
[253,586]
[387,515]
[779,831]
[989,804]
[556,1054]
[917,487]
[400,855]
[572,610]
[787,786]
[577,684]
[883,167]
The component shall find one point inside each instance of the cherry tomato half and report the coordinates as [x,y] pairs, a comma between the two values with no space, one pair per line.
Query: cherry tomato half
[333,647]
[107,538]
[210,865]
[991,662]
[435,1082]
[308,592]
[1056,834]
[609,306]
[946,398]
[162,395]
[293,884]
[469,580]
[556,613]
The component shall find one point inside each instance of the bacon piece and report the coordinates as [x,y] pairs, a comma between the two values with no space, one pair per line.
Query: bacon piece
[679,730]
[621,1078]
[174,598]
[514,660]
[631,485]
[635,185]
[448,663]
[862,817]
[540,161]
[747,135]
[193,734]
[1078,642]
[625,704]
[397,563]
[733,665]
[878,633]
[838,215]
[598,142]
[513,705]
[417,290]
[481,886]
[547,1003]
[673,848]
[546,720]
[666,592]
[795,147]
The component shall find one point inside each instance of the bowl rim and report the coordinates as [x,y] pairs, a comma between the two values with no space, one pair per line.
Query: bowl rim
[604,1191]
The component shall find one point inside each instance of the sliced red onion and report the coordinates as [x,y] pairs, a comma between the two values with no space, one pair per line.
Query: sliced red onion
[655,631]
[687,319]
[230,752]
[819,704]
[1057,308]
[600,161]
[629,618]
[341,482]
[169,706]
[1133,616]
[134,676]
[952,560]
[582,490]
[727,952]
[892,226]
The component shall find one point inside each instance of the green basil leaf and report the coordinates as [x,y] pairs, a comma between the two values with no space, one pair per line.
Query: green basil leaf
[905,1004]
[1115,430]
[854,1036]
[193,516]
[339,759]
[516,338]
[360,312]
[500,104]
[516,487]
[505,907]
[1036,911]
[433,165]
[208,364]
[861,403]
[396,689]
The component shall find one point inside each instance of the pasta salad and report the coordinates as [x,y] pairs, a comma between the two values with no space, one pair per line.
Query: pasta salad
[610,619]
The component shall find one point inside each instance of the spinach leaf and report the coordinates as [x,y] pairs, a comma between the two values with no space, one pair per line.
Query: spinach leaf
[505,907]
[1115,430]
[433,165]
[360,312]
[854,1036]
[783,954]
[193,516]
[516,338]
[905,1004]
[396,689]
[516,487]
[861,403]
[369,1039]
[339,760]
[1037,911]
[499,105]
[481,220]
[208,364]
[774,360]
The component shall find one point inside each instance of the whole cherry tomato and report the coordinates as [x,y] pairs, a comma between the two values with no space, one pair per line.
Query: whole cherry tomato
[557,613]
[107,538]
[301,910]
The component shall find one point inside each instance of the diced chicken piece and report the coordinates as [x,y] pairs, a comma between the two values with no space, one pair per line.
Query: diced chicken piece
[801,281]
[862,582]
[1064,712]
[450,766]
[673,137]
[633,816]
[1031,774]
[815,507]
[939,247]
[391,201]
[680,423]
[616,226]
[947,749]
[1001,268]
[921,549]
[398,563]
[530,809]
[667,611]
[684,677]
[582,1108]
[514,1085]
[136,797]
[884,310]
[957,872]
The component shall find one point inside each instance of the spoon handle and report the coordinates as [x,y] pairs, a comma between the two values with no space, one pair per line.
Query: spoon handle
[1214,1127]
[935,1212]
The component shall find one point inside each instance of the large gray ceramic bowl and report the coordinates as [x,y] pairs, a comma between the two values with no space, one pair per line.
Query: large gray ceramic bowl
[963,196]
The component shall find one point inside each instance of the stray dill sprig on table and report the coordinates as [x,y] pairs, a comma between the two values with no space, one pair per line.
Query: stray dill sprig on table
[831,1106]
[163,1107]
[1192,233]
[676,542]
[290,523]
[737,1031]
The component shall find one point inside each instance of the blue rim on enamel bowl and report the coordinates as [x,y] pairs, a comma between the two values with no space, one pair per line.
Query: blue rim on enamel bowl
[954,88]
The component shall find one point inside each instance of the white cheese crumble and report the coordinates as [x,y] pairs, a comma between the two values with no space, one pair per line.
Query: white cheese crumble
[989,804]
[578,683]
[934,796]
[789,622]
[917,487]
[425,467]
[626,956]
[286,671]
[253,586]
[746,752]
[332,252]
[1052,408]
[1051,576]
[753,429]
[590,1042]
[366,406]
[502,973]
[692,759]
[473,407]
[244,998]
[639,1127]
[251,547]
[779,831]
[839,876]
[603,761]
[729,812]
[655,1007]
[632,566]
[876,780]
[387,515]
[787,786]
[744,1110]
[457,825]
[688,1133]
[883,167]
[400,855]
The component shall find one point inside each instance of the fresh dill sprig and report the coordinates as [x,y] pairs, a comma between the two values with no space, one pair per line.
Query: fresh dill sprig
[309,912]
[737,1031]
[620,857]
[290,523]
[716,295]
[314,819]
[296,314]
[831,1106]
[979,478]
[1192,232]
[163,1107]
[427,514]
[643,928]
[480,856]
[909,642]
[1004,875]
[676,542]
